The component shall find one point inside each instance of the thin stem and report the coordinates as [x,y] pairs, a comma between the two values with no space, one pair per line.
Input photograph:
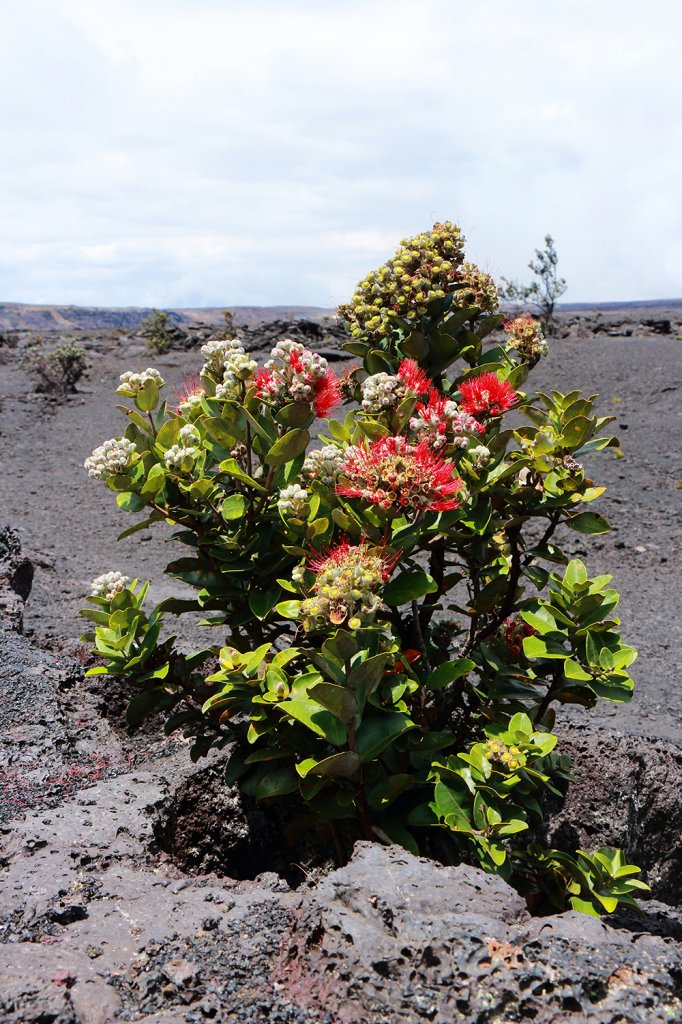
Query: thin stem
[419,636]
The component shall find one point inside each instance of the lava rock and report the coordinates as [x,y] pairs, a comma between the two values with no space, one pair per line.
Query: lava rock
[16,578]
[627,793]
[395,938]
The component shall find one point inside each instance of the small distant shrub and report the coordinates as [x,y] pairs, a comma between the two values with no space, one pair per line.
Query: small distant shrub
[156,332]
[542,293]
[396,620]
[56,371]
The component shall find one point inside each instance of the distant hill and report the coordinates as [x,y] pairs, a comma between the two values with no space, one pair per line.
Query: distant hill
[21,316]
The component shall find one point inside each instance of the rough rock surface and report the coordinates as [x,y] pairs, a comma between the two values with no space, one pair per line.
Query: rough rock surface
[16,578]
[99,924]
[393,938]
[627,793]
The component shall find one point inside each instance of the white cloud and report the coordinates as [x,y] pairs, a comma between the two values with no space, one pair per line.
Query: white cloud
[221,153]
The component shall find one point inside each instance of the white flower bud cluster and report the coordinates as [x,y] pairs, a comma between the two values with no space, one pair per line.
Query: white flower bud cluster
[216,354]
[110,458]
[182,458]
[293,500]
[189,435]
[479,456]
[237,367]
[298,574]
[292,371]
[132,383]
[449,425]
[381,391]
[323,464]
[109,585]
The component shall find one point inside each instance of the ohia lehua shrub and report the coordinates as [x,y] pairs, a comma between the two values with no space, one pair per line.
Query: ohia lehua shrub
[396,622]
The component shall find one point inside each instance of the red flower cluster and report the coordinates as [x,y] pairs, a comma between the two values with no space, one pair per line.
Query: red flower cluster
[487,395]
[343,553]
[392,473]
[514,631]
[413,377]
[299,376]
[327,391]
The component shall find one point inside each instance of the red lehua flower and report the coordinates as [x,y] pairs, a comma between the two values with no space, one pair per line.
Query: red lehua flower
[265,382]
[487,395]
[413,377]
[190,388]
[434,408]
[295,362]
[327,394]
[393,473]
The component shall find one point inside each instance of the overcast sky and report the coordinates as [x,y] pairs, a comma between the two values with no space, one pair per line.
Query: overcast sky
[216,152]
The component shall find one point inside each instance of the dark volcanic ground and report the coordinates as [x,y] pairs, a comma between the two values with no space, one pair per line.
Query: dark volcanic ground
[113,848]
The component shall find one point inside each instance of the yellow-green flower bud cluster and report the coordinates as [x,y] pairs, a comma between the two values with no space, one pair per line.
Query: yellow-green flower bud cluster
[509,757]
[479,289]
[424,268]
[526,338]
[109,585]
[293,501]
[322,464]
[112,457]
[181,457]
[381,391]
[345,588]
[132,383]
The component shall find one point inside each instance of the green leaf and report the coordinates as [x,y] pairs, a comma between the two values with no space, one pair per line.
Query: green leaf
[232,469]
[154,482]
[288,447]
[588,522]
[344,765]
[376,732]
[289,609]
[536,647]
[337,699]
[294,415]
[409,586]
[147,397]
[168,434]
[448,673]
[261,602]
[318,720]
[144,704]
[450,809]
[129,502]
[277,783]
[233,507]
[367,673]
[220,430]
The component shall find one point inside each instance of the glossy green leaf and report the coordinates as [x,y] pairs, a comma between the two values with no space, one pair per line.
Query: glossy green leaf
[409,586]
[287,447]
